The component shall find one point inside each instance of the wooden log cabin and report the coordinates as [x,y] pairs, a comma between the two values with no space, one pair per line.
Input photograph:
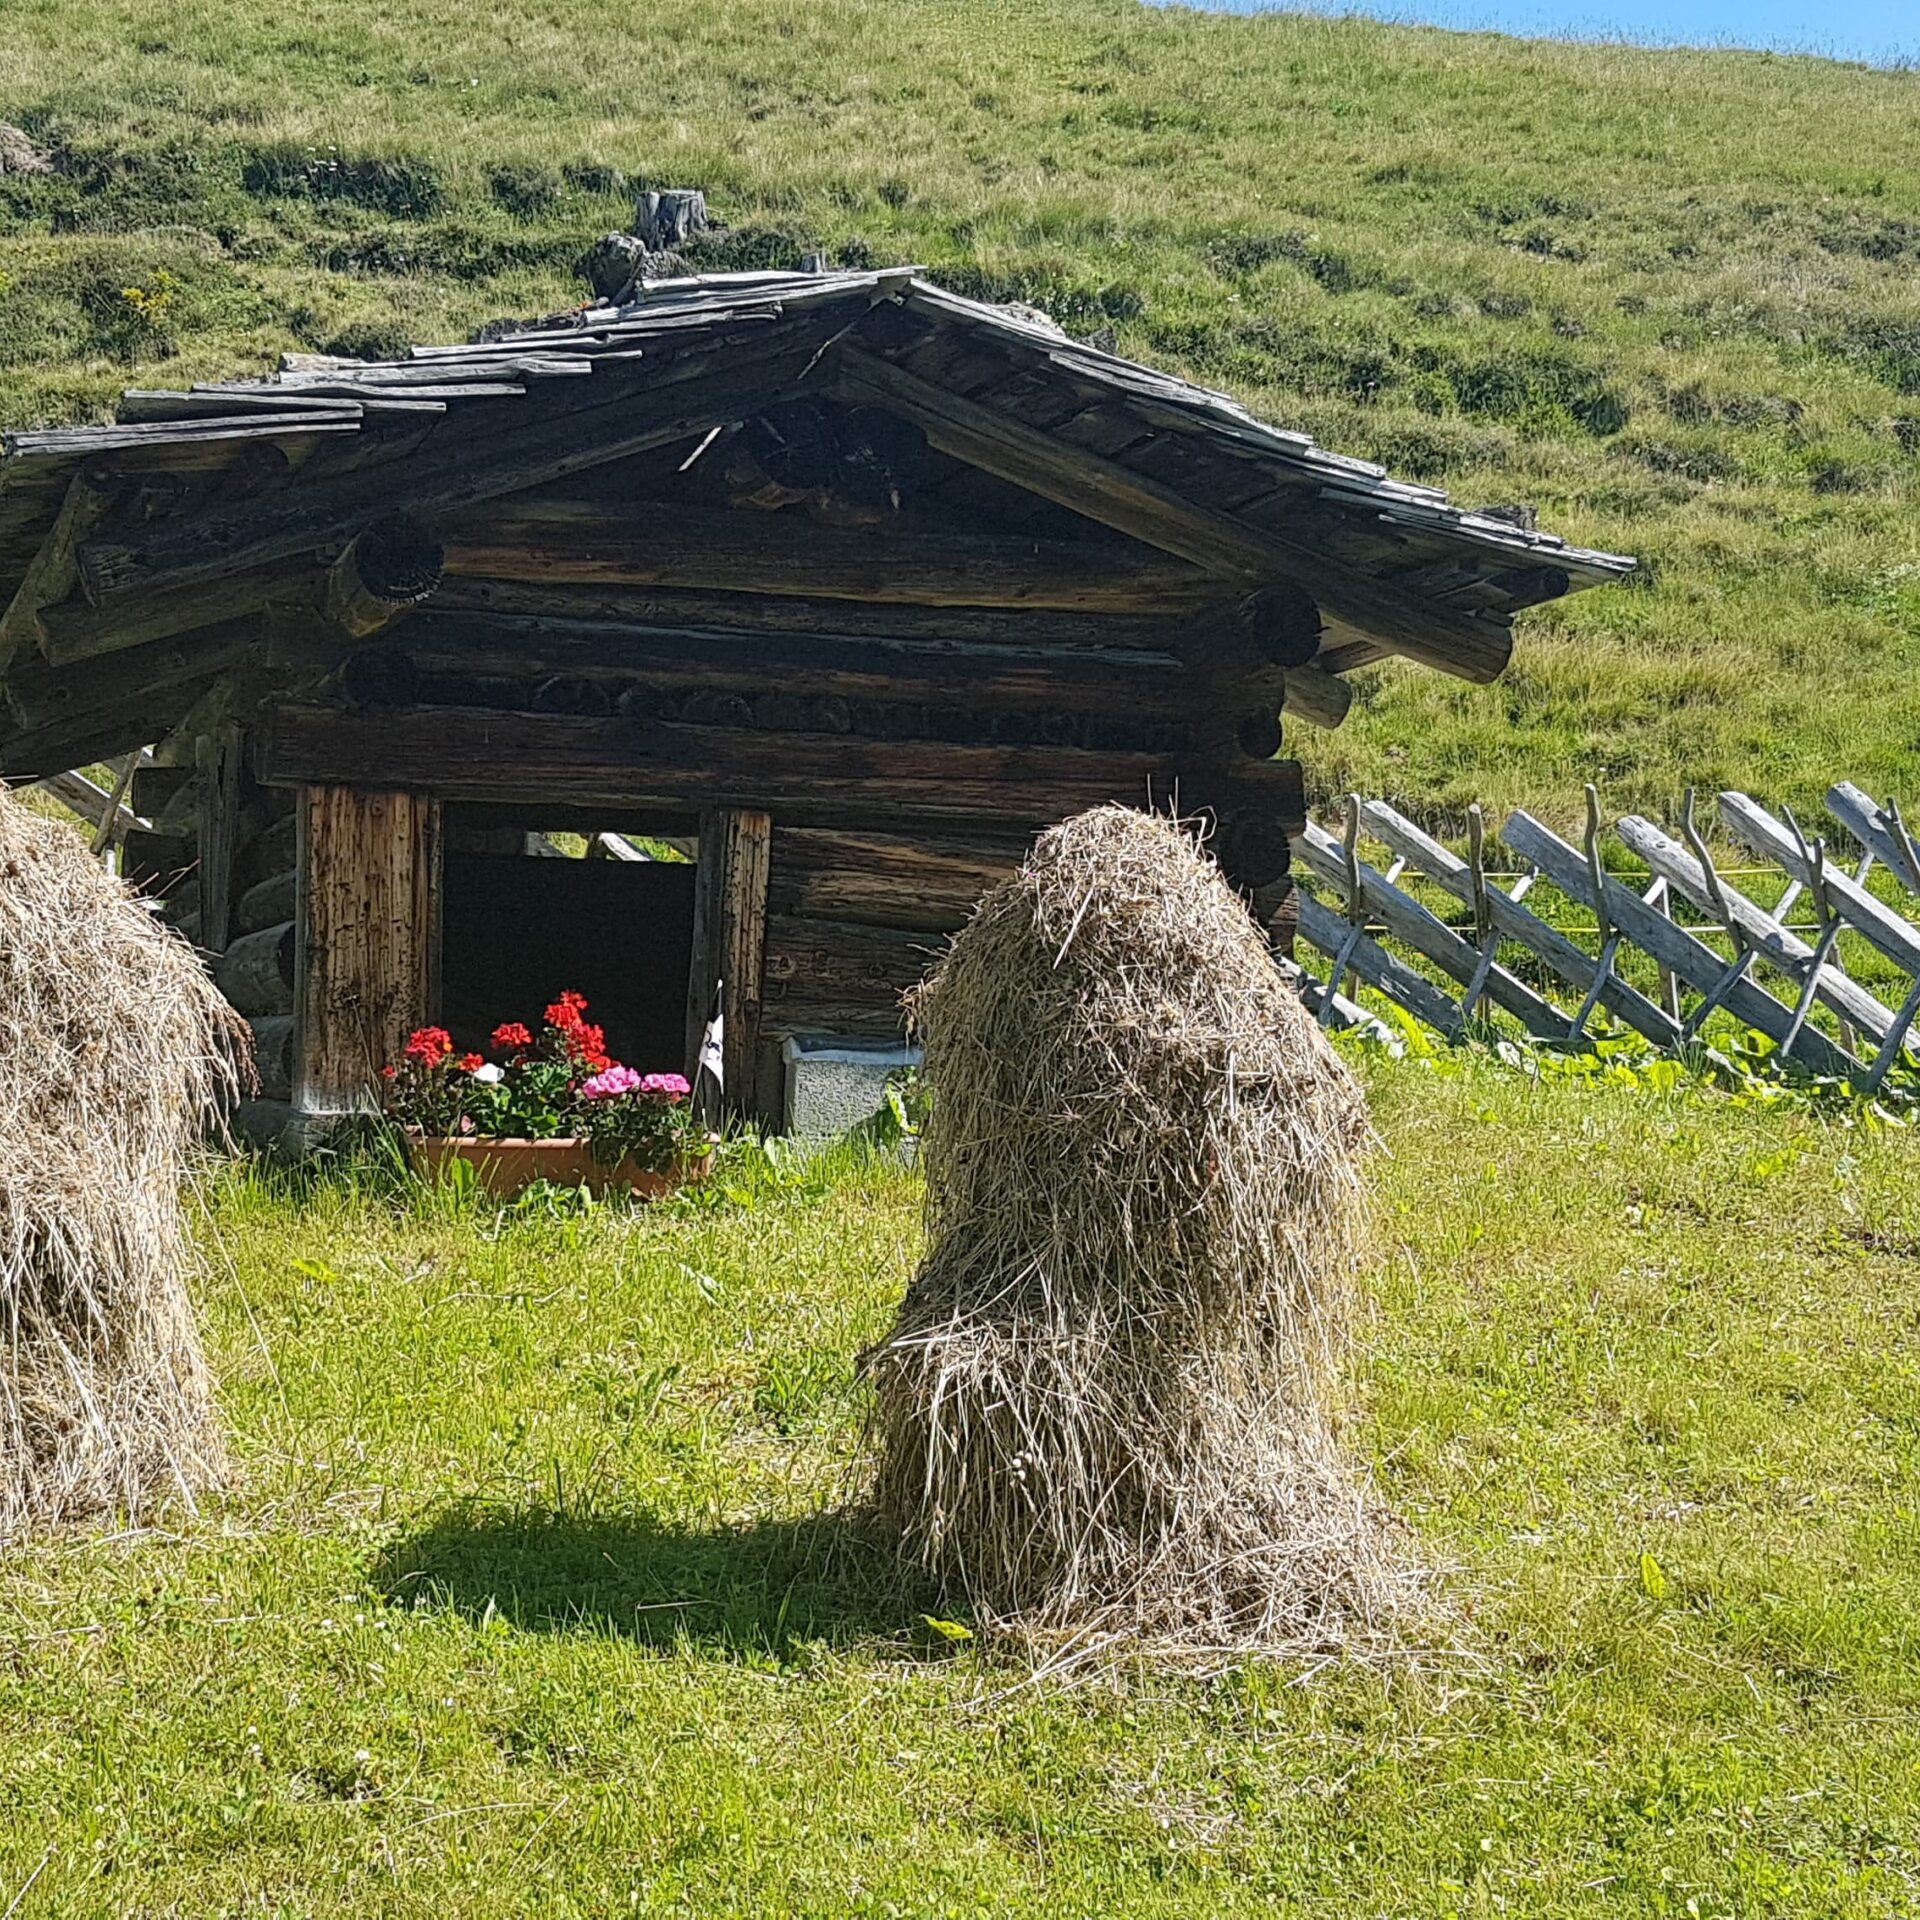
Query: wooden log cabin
[838,582]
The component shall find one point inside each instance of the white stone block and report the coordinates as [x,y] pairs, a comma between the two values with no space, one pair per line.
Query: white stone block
[834,1083]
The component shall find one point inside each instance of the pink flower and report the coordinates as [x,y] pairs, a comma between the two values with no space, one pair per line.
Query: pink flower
[665,1086]
[610,1084]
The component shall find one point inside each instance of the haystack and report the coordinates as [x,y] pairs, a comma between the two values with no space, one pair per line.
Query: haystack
[114,1048]
[1107,1409]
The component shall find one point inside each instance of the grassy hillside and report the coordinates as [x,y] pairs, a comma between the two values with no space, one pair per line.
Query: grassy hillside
[1669,297]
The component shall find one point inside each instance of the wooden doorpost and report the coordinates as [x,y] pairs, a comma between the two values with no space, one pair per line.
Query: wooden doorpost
[729,942]
[368,953]
[703,968]
[744,924]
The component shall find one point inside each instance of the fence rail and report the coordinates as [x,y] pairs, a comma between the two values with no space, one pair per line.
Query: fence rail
[1366,923]
[104,807]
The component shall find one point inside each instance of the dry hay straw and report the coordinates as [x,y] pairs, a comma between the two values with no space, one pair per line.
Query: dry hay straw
[1106,1413]
[115,1051]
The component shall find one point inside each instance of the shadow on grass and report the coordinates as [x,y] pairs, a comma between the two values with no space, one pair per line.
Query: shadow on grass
[766,1589]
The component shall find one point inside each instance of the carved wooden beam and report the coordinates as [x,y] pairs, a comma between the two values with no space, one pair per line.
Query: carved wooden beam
[670,545]
[458,468]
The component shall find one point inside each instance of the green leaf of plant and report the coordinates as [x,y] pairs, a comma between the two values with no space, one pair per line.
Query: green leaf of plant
[1653,1577]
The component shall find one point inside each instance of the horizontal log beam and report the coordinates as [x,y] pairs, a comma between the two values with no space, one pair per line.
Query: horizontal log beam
[42,696]
[591,542]
[817,970]
[921,885]
[1082,679]
[267,903]
[256,971]
[100,733]
[675,607]
[1322,698]
[77,630]
[1102,489]
[469,754]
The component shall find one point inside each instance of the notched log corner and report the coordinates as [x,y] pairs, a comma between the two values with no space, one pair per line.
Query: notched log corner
[391,565]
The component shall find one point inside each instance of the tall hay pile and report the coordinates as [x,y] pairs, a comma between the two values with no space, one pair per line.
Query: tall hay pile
[114,1049]
[1105,1412]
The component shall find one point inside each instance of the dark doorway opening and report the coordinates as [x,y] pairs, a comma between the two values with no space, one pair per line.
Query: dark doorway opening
[518,930]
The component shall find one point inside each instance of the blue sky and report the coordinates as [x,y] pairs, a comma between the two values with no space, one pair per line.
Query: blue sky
[1881,30]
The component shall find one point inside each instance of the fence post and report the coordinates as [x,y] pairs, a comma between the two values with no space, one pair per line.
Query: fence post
[1484,934]
[1356,913]
[1903,843]
[107,831]
[1603,920]
[1814,859]
[1742,953]
[1660,895]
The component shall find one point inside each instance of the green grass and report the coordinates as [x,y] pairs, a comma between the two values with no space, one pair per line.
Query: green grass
[1668,296]
[530,1596]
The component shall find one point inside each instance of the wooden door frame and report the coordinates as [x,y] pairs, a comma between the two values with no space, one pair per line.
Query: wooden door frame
[729,949]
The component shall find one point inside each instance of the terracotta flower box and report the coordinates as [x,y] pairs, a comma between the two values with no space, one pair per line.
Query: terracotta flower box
[508,1167]
[555,1106]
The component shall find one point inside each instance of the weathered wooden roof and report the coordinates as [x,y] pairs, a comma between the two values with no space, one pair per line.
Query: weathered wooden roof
[275,475]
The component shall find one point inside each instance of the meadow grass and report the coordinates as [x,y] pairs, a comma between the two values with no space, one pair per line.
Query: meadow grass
[534,1590]
[1667,296]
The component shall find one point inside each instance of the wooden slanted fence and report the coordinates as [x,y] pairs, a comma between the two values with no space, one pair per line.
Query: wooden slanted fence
[1756,963]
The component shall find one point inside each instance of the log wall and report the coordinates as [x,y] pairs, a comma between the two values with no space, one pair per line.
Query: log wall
[856,917]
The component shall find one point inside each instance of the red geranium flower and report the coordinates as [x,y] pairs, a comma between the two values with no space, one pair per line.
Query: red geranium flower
[429,1045]
[513,1036]
[584,1041]
[469,1061]
[565,1013]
